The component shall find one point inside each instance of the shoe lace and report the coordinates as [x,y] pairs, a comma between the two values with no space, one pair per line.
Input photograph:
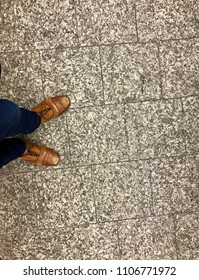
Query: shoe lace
[30,152]
[44,110]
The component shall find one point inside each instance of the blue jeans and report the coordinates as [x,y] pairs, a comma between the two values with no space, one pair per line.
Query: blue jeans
[13,121]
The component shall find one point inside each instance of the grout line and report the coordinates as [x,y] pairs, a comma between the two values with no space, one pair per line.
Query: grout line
[41,74]
[151,196]
[69,145]
[35,205]
[160,71]
[72,166]
[183,135]
[119,244]
[102,78]
[78,40]
[126,131]
[155,41]
[113,221]
[94,193]
[136,102]
[15,27]
[136,22]
[183,111]
[175,236]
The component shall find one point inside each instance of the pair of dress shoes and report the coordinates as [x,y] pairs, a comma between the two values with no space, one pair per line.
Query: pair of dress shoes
[48,109]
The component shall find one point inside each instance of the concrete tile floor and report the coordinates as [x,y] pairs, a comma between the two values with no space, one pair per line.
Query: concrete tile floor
[128,183]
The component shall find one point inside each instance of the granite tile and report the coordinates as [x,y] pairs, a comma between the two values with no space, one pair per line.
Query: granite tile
[21,78]
[14,167]
[97,134]
[8,38]
[6,12]
[75,72]
[64,197]
[173,189]
[154,129]
[3,217]
[130,73]
[5,248]
[122,191]
[38,245]
[94,242]
[45,24]
[191,123]
[160,19]
[101,22]
[187,236]
[149,238]
[17,201]
[179,66]
[192,167]
[82,242]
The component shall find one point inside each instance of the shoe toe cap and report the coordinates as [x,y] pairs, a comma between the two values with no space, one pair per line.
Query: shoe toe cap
[53,158]
[63,102]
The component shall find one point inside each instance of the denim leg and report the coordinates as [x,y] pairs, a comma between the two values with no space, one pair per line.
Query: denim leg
[11,149]
[29,121]
[15,120]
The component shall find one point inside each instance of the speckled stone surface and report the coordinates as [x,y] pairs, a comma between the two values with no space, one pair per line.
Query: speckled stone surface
[131,73]
[151,238]
[173,189]
[8,38]
[97,134]
[3,216]
[64,197]
[155,129]
[191,123]
[76,242]
[192,165]
[187,236]
[75,72]
[127,183]
[179,68]
[105,21]
[122,191]
[45,24]
[17,201]
[21,78]
[167,19]
[5,248]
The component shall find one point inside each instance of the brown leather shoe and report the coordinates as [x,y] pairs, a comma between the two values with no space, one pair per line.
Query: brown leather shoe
[38,155]
[52,107]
